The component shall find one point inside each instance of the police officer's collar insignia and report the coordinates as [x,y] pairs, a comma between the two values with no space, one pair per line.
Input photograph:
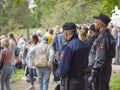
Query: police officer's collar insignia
[102,47]
[61,55]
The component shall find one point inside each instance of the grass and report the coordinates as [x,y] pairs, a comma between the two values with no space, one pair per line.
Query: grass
[18,75]
[115,81]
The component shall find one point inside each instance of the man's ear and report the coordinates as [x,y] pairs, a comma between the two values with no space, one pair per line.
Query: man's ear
[65,35]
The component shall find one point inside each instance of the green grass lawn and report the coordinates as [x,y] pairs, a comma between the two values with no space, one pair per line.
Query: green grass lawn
[18,75]
[114,83]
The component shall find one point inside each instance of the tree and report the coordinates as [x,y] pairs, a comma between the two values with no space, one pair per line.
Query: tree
[49,13]
[57,12]
[79,11]
[2,14]
[21,14]
[16,15]
[105,6]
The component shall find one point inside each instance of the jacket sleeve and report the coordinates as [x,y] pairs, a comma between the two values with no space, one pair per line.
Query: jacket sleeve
[54,43]
[64,65]
[100,55]
[51,56]
[31,54]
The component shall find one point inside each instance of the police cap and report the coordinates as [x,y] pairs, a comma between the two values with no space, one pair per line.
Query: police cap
[69,26]
[104,18]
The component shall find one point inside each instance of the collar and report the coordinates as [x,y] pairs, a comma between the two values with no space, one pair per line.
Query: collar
[74,36]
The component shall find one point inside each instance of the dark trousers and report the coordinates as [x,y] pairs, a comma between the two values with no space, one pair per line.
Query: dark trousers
[87,85]
[73,84]
[103,79]
[55,66]
[32,73]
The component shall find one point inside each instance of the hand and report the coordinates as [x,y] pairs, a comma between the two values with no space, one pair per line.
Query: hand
[90,79]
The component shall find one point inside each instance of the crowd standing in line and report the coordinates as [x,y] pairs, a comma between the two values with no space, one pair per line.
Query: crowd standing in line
[77,54]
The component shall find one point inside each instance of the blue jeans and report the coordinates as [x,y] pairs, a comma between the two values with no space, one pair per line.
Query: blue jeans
[32,73]
[43,77]
[5,76]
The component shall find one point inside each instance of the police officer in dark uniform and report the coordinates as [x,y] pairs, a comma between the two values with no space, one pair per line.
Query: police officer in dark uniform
[101,54]
[73,60]
[91,35]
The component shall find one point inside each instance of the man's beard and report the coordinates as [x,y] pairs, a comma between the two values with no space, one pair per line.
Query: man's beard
[97,28]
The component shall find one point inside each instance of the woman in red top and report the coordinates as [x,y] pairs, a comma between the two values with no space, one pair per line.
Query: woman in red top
[6,71]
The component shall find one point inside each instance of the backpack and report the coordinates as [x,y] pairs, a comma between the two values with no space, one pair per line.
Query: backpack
[41,59]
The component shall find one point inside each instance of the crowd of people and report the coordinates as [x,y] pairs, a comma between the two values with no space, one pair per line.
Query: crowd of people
[78,55]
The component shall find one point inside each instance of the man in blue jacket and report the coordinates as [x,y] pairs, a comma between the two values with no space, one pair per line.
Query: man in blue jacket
[57,45]
[73,60]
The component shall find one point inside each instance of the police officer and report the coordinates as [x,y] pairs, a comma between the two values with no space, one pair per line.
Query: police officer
[92,34]
[101,54]
[73,60]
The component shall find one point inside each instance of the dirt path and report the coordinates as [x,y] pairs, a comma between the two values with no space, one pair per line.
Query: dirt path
[23,85]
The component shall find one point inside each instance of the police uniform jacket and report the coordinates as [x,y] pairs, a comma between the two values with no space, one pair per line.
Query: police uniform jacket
[73,58]
[102,51]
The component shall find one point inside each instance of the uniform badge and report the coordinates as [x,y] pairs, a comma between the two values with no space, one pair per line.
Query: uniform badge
[102,46]
[62,55]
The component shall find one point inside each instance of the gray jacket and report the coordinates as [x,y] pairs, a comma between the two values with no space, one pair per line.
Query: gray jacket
[42,54]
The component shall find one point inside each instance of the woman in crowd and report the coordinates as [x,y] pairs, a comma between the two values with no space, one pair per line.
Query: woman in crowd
[44,56]
[30,59]
[12,45]
[82,35]
[5,58]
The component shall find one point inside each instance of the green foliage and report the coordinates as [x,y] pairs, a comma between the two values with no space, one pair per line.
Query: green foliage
[17,1]
[79,11]
[106,6]
[57,12]
[48,13]
[24,31]
[17,15]
[36,16]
